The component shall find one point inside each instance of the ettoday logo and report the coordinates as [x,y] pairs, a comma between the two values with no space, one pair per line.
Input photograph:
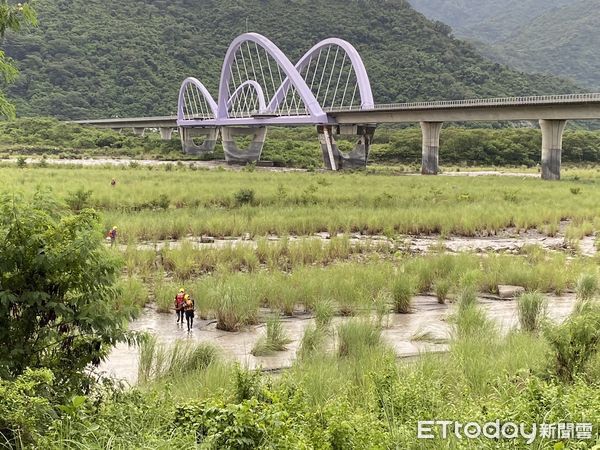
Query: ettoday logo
[430,429]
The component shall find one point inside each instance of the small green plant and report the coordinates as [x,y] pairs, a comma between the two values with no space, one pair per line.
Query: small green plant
[357,337]
[382,302]
[403,291]
[324,310]
[21,162]
[244,196]
[587,286]
[467,297]
[79,199]
[532,309]
[312,342]
[275,339]
[575,342]
[575,190]
[442,288]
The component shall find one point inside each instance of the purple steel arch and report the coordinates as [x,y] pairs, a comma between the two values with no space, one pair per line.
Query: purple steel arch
[310,102]
[262,105]
[362,78]
[181,102]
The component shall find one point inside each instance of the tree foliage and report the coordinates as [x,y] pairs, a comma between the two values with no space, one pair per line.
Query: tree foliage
[56,290]
[560,37]
[12,17]
[113,58]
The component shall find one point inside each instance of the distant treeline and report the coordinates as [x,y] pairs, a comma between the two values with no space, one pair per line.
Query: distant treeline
[299,147]
[505,146]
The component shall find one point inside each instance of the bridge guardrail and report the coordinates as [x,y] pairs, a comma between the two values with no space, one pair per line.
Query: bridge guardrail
[501,101]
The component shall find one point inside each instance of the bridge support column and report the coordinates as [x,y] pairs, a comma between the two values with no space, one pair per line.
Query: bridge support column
[431,147]
[233,154]
[552,136]
[139,131]
[188,145]
[166,133]
[333,157]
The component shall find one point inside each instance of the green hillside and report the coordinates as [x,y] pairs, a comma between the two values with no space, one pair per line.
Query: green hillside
[486,20]
[565,42]
[561,37]
[98,58]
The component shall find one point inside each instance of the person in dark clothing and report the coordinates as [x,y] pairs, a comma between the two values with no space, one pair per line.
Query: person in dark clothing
[112,234]
[188,307]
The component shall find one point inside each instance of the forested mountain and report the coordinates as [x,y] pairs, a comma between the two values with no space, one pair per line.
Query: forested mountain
[565,42]
[93,58]
[486,20]
[561,37]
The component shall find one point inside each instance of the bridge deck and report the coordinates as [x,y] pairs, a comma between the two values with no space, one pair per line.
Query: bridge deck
[573,106]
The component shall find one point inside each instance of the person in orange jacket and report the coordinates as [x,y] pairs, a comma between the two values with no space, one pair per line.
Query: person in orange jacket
[179,301]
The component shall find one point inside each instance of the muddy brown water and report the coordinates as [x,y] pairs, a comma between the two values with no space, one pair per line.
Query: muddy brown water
[401,330]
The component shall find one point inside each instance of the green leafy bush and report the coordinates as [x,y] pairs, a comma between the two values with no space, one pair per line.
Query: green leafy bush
[575,342]
[25,408]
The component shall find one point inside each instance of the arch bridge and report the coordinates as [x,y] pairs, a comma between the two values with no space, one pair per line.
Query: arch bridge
[329,88]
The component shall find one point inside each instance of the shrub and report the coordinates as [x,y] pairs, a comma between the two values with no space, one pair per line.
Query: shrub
[244,197]
[21,162]
[575,342]
[78,200]
[402,293]
[532,308]
[25,409]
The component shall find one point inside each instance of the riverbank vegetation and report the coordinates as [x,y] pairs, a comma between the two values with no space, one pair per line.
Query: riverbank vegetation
[175,201]
[299,147]
[352,393]
[346,388]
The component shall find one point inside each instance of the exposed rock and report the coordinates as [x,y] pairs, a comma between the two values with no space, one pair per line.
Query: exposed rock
[509,292]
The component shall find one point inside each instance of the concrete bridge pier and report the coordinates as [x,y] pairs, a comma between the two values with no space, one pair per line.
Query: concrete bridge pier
[552,137]
[138,131]
[336,159]
[232,151]
[190,147]
[431,147]
[166,133]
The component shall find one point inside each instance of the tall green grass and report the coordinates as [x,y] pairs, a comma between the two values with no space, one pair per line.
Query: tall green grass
[532,309]
[157,360]
[274,340]
[347,203]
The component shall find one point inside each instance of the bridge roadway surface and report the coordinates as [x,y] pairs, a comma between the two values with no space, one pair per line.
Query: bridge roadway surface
[549,107]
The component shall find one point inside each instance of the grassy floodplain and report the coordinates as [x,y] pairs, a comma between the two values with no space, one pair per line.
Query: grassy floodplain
[346,388]
[170,202]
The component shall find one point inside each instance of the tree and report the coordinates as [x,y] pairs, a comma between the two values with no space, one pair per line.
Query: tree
[57,291]
[12,17]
